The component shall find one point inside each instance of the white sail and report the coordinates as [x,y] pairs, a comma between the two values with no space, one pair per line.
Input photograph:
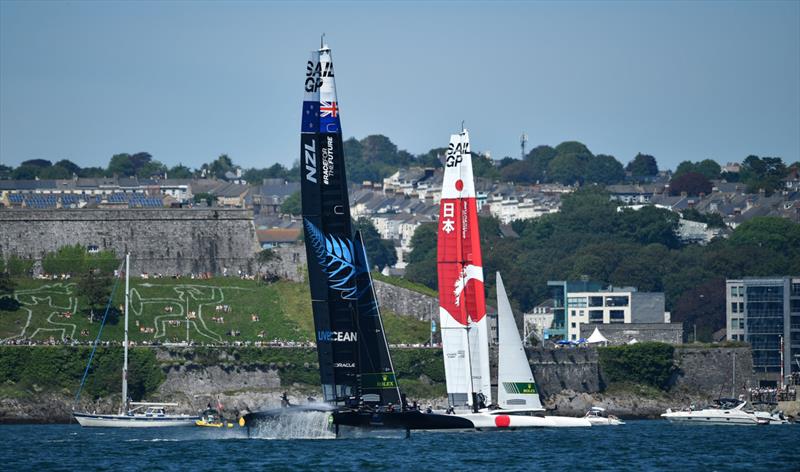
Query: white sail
[516,387]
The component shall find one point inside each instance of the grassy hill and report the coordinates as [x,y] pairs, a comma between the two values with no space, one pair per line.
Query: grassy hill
[218,310]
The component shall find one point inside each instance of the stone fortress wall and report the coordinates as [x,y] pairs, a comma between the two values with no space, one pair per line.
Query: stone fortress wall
[166,241]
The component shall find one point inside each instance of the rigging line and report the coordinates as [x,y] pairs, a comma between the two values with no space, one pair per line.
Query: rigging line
[97,339]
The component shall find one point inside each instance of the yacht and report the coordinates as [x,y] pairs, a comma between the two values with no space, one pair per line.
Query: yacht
[131,414]
[724,411]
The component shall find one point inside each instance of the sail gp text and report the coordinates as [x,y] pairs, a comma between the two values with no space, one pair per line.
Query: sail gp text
[315,71]
[327,161]
[336,336]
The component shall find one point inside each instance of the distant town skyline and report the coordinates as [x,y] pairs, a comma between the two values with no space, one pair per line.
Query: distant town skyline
[188,81]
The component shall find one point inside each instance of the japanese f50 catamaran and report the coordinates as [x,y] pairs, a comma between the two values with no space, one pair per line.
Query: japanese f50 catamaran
[462,305]
[358,378]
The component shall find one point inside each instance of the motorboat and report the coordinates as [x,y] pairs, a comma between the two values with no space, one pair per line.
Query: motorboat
[599,417]
[723,411]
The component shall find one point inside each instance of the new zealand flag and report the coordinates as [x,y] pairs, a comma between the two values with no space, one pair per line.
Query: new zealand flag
[310,117]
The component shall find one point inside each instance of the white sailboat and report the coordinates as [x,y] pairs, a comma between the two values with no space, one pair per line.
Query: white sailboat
[517,392]
[133,414]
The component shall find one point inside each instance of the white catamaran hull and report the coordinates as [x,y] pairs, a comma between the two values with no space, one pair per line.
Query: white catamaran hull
[502,421]
[136,421]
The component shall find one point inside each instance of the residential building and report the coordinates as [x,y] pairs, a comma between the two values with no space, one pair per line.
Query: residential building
[765,312]
[577,303]
[537,321]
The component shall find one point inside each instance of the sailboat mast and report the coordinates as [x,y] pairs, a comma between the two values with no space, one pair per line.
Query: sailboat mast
[125,341]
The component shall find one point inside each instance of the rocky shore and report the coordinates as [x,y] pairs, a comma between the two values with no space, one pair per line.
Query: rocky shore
[570,382]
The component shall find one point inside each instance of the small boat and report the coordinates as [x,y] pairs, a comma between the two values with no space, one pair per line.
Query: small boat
[598,417]
[131,414]
[212,418]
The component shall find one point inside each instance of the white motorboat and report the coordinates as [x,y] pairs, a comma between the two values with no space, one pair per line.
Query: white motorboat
[598,417]
[724,411]
[132,414]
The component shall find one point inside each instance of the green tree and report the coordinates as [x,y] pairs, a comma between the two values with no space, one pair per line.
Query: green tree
[54,173]
[17,266]
[422,259]
[772,232]
[65,260]
[151,168]
[204,197]
[219,167]
[483,167]
[26,172]
[70,166]
[643,165]
[180,171]
[121,165]
[380,252]
[96,287]
[292,204]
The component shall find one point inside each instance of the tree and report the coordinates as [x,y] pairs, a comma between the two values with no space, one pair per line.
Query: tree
[691,182]
[180,171]
[150,169]
[604,169]
[643,165]
[96,287]
[763,174]
[708,168]
[219,167]
[41,163]
[17,266]
[772,232]
[121,165]
[70,166]
[7,287]
[204,197]
[380,252]
[66,260]
[26,172]
[483,167]
[54,173]
[703,308]
[292,204]
[422,259]
[432,158]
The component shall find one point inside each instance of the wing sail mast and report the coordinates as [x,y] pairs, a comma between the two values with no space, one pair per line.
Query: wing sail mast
[354,359]
[462,304]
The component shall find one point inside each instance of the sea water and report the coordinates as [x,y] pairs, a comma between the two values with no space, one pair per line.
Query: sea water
[636,446]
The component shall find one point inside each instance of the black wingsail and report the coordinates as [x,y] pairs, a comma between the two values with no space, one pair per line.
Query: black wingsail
[353,355]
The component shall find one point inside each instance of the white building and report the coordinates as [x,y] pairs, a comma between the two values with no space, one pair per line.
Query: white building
[617,305]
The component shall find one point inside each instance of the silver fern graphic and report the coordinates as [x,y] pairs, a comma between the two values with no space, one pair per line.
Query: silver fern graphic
[337,257]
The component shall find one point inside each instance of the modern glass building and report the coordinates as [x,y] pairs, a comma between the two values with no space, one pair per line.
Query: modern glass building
[765,312]
[559,292]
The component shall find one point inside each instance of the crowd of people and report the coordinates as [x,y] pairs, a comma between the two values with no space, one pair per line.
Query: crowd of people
[772,394]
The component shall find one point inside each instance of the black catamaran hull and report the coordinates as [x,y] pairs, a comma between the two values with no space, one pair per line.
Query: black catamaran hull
[408,420]
[399,420]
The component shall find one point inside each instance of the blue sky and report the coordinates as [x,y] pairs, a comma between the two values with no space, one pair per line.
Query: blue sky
[187,81]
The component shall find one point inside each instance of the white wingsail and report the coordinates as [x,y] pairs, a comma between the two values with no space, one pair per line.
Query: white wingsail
[516,387]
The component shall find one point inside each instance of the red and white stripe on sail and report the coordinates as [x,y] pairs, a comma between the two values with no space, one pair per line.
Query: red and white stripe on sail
[462,304]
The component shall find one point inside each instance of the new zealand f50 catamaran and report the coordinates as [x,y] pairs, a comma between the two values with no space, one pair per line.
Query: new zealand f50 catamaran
[358,378]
